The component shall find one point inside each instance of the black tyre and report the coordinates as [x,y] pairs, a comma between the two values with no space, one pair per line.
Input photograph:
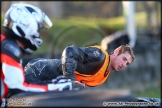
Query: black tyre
[73,98]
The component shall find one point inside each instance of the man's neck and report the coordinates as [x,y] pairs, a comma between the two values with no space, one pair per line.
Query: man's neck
[109,67]
[20,44]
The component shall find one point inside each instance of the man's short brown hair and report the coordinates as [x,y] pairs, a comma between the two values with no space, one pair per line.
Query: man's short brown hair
[126,48]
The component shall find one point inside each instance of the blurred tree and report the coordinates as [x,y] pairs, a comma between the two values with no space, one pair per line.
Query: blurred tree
[4,6]
[52,8]
[92,9]
[152,9]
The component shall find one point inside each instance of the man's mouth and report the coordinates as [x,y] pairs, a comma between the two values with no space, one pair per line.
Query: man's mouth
[120,68]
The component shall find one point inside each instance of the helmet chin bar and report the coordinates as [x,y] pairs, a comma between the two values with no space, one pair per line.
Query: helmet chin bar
[28,50]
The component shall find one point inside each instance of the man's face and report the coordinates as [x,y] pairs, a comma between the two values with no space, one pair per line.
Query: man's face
[121,61]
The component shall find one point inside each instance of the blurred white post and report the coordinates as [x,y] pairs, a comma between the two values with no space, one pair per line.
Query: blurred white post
[129,13]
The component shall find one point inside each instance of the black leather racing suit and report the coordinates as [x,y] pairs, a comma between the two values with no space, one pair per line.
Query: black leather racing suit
[85,60]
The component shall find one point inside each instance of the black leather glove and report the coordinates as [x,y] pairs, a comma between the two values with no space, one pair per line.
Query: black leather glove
[76,85]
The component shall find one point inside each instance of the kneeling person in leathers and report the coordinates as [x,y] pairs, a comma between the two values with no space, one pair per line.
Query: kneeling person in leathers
[19,36]
[91,65]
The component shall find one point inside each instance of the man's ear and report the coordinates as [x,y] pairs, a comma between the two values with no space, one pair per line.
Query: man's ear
[116,51]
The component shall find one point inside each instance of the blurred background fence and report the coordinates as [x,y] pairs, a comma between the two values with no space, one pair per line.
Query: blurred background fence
[86,23]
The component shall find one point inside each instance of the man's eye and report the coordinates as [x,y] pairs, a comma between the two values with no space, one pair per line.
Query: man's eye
[124,58]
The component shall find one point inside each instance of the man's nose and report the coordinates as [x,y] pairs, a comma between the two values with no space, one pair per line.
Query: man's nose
[123,65]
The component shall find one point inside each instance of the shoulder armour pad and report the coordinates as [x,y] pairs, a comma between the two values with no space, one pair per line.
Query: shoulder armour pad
[13,48]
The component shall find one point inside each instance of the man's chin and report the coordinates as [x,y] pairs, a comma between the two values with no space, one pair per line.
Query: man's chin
[117,70]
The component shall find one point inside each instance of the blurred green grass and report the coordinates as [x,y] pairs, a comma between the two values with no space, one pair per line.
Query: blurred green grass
[152,93]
